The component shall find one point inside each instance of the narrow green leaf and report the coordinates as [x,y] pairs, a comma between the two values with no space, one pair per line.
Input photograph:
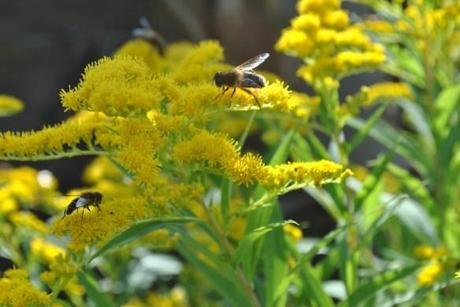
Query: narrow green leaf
[275,264]
[417,220]
[92,288]
[312,288]
[419,121]
[140,229]
[362,133]
[446,105]
[373,179]
[408,146]
[377,283]
[218,272]
[261,217]
[249,240]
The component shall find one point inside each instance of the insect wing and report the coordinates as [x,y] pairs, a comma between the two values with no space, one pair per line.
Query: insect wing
[81,202]
[253,62]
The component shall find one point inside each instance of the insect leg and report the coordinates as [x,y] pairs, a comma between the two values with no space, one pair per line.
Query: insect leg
[233,93]
[252,94]
[224,89]
[82,211]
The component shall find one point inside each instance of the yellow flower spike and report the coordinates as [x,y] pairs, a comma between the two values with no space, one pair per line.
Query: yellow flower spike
[213,148]
[429,274]
[29,220]
[386,90]
[50,141]
[143,50]
[245,169]
[115,86]
[10,105]
[45,250]
[303,173]
[17,291]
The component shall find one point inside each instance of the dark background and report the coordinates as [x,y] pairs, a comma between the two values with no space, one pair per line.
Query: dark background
[44,46]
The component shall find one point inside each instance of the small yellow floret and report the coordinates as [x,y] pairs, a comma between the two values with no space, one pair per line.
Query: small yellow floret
[10,105]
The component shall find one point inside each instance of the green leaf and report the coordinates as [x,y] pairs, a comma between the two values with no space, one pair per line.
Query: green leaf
[275,264]
[362,133]
[312,289]
[140,229]
[373,179]
[446,105]
[261,216]
[377,283]
[419,122]
[93,291]
[408,146]
[417,220]
[249,240]
[221,275]
[313,251]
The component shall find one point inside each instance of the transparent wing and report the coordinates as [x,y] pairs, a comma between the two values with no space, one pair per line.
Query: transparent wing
[81,202]
[253,62]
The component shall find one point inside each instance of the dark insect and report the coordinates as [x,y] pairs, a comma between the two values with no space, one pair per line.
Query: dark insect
[147,33]
[242,77]
[85,201]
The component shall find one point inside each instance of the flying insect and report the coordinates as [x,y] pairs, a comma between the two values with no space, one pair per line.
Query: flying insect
[242,77]
[85,201]
[146,32]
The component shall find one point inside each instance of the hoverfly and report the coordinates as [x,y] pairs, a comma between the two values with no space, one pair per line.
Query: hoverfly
[242,77]
[85,200]
[146,32]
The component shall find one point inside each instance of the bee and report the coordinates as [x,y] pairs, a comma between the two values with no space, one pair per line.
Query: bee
[85,200]
[146,32]
[242,77]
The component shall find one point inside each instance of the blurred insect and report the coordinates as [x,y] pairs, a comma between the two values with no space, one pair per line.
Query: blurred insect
[242,77]
[85,200]
[147,33]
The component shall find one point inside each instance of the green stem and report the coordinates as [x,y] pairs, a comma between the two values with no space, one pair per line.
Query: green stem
[43,157]
[228,250]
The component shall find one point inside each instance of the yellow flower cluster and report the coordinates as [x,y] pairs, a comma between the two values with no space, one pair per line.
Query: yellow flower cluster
[87,228]
[175,298]
[219,152]
[369,95]
[430,272]
[17,291]
[51,141]
[45,250]
[10,105]
[330,46]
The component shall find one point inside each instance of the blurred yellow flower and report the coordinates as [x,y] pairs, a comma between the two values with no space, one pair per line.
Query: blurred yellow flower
[17,291]
[293,231]
[429,274]
[10,105]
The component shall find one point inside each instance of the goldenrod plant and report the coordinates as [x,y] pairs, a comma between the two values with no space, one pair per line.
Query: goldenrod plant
[190,216]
